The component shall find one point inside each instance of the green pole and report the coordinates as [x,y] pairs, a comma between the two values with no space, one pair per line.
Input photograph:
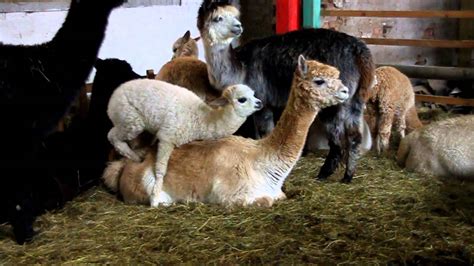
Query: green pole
[311,13]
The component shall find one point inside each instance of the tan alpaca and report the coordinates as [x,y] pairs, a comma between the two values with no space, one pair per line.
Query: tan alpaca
[236,170]
[444,148]
[187,71]
[186,46]
[390,100]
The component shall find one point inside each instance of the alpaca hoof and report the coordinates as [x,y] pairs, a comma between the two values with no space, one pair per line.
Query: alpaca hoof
[154,202]
[321,178]
[22,222]
[346,180]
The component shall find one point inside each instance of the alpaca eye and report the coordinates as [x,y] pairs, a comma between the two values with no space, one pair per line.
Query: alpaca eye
[217,19]
[319,82]
[242,100]
[175,49]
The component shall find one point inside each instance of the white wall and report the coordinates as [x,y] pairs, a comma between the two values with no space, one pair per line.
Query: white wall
[143,35]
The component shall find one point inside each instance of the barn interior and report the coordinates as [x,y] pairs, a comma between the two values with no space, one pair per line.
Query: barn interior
[386,215]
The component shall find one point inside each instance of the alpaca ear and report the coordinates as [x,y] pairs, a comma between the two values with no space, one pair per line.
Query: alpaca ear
[221,101]
[187,36]
[302,66]
[197,38]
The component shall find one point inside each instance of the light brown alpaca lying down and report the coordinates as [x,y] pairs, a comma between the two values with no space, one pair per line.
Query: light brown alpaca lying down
[236,170]
[444,149]
[392,101]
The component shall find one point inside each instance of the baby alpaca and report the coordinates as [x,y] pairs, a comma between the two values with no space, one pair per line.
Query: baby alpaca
[186,70]
[236,170]
[186,46]
[389,102]
[175,116]
[443,149]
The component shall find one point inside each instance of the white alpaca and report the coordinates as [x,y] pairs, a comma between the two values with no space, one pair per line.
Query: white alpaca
[444,149]
[175,116]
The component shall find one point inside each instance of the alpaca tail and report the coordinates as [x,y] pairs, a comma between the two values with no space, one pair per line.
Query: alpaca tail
[412,120]
[112,174]
[366,68]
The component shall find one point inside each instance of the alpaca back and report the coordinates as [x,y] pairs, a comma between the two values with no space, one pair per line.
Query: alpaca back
[444,148]
[189,73]
[392,91]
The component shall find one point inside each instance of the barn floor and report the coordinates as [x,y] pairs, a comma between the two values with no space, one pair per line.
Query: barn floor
[386,216]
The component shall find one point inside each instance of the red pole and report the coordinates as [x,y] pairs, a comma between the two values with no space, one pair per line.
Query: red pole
[288,15]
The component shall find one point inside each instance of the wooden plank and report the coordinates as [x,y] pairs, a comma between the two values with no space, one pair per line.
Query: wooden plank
[465,14]
[434,72]
[466,32]
[464,44]
[444,100]
[288,15]
[311,13]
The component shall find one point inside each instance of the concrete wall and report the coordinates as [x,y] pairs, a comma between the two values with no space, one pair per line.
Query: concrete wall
[142,35]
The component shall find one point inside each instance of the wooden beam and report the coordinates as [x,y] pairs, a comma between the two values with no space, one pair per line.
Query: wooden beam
[464,44]
[444,100]
[434,72]
[465,14]
[466,32]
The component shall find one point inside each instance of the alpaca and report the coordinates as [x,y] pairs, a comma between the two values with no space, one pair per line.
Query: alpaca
[187,71]
[38,83]
[186,46]
[266,65]
[175,116]
[389,102]
[443,149]
[237,170]
[110,74]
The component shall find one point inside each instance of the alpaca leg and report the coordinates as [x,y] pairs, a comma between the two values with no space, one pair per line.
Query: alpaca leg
[332,161]
[263,202]
[353,141]
[264,122]
[164,152]
[118,138]
[401,125]
[385,128]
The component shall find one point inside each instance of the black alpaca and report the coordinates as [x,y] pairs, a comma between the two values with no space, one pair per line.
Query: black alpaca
[267,64]
[110,74]
[38,83]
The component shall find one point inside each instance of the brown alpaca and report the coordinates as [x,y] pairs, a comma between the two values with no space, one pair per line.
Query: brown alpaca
[186,46]
[236,170]
[444,149]
[392,101]
[187,71]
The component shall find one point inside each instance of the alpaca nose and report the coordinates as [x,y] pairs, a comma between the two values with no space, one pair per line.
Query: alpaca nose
[343,93]
[237,29]
[258,105]
[344,90]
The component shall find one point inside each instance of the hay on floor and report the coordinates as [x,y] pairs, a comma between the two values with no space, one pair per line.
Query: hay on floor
[385,216]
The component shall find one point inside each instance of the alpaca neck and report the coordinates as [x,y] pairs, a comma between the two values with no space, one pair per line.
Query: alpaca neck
[83,31]
[223,67]
[283,147]
[218,122]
